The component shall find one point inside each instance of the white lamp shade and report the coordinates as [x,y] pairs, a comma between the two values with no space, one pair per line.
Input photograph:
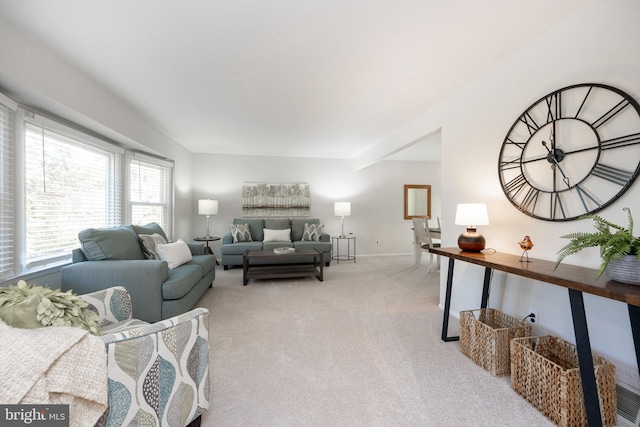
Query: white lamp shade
[469,214]
[342,208]
[207,207]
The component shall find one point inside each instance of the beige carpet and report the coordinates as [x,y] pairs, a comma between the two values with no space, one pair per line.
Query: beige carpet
[361,348]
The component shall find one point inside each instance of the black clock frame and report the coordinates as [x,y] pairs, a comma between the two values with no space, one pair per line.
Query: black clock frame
[615,175]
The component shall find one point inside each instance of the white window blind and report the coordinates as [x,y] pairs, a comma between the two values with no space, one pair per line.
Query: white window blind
[72,182]
[150,191]
[7,187]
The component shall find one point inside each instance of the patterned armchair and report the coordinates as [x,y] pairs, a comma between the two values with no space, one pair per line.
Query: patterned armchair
[158,374]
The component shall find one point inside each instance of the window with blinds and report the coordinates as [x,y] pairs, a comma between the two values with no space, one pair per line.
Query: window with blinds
[72,182]
[7,188]
[150,191]
[57,179]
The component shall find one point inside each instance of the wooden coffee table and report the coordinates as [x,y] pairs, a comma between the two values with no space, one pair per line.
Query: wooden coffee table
[279,266]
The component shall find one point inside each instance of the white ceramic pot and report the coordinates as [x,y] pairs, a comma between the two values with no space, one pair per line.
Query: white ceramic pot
[625,270]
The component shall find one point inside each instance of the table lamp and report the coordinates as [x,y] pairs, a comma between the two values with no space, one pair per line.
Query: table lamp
[207,207]
[342,209]
[471,215]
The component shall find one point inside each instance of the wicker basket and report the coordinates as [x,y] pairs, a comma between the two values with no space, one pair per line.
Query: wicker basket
[545,371]
[485,336]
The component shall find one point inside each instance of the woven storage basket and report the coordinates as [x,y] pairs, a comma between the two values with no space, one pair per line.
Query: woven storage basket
[485,336]
[545,371]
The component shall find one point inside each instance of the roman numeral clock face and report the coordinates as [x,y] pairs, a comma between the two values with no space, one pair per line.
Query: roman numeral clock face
[571,153]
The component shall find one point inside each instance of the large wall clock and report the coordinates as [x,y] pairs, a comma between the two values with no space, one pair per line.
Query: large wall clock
[572,152]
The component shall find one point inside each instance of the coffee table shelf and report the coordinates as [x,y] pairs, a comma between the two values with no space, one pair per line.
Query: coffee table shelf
[280,266]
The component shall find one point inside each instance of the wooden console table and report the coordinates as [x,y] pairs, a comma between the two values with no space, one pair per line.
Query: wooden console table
[577,280]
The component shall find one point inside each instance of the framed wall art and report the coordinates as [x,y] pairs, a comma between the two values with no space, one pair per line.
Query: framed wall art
[260,199]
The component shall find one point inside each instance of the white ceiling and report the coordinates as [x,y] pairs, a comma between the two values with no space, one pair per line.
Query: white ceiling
[309,78]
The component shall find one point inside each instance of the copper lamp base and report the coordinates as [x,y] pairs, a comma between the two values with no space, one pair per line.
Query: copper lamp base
[471,241]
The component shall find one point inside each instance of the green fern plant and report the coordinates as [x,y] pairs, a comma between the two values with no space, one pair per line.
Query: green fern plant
[613,244]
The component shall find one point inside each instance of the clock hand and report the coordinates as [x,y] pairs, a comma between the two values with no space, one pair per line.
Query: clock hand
[566,153]
[565,178]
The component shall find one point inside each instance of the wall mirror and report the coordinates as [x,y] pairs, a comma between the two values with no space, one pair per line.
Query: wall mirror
[417,201]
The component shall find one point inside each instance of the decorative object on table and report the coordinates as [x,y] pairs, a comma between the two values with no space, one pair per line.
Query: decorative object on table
[32,306]
[546,372]
[342,209]
[207,207]
[485,335]
[283,251]
[260,199]
[572,152]
[471,215]
[617,249]
[525,244]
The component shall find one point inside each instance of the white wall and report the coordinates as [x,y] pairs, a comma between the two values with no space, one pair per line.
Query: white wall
[597,44]
[35,76]
[376,194]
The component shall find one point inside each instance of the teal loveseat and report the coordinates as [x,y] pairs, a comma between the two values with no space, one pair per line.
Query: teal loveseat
[232,250]
[115,257]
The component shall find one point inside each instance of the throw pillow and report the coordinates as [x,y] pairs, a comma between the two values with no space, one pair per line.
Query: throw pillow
[151,228]
[32,306]
[240,233]
[176,253]
[118,243]
[277,235]
[149,242]
[312,232]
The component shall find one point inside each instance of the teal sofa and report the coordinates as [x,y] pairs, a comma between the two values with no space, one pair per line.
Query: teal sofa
[116,257]
[232,252]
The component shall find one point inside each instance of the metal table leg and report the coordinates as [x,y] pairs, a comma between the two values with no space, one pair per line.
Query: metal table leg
[634,319]
[585,359]
[447,300]
[485,287]
[447,305]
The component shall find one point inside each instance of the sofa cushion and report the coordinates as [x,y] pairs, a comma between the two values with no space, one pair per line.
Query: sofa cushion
[176,253]
[149,242]
[240,248]
[181,280]
[150,228]
[206,262]
[297,227]
[312,232]
[119,243]
[277,223]
[240,233]
[277,235]
[255,227]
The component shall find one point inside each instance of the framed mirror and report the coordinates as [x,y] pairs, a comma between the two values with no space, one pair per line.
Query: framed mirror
[417,201]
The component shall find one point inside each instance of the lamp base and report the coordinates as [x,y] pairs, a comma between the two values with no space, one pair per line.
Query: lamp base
[471,241]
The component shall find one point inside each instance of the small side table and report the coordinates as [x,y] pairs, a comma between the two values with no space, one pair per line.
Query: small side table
[335,243]
[207,250]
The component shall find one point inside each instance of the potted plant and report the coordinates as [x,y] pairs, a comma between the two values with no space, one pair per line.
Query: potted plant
[619,249]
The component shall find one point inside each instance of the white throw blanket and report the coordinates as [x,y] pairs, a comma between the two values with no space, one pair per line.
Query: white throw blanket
[54,365]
